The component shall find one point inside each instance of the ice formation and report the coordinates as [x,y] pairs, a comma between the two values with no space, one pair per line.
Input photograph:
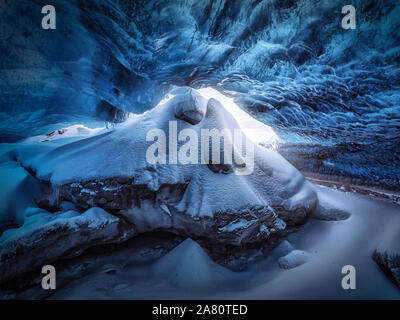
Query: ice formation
[45,237]
[109,170]
[76,173]
[387,253]
[189,266]
[331,93]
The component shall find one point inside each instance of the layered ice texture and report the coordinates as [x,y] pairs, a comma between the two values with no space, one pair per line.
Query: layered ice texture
[147,268]
[325,98]
[331,94]
[122,152]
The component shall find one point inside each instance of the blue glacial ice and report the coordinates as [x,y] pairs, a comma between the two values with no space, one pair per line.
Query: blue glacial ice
[287,62]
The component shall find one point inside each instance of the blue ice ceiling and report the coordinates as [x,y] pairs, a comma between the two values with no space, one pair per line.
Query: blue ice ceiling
[331,94]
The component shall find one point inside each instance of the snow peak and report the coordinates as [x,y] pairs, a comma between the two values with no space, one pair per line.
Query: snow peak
[227,309]
[163,310]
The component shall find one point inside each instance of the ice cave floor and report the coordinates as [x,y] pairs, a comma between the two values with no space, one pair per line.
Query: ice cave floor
[306,265]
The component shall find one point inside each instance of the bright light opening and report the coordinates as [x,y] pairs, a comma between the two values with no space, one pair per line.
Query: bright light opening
[256,131]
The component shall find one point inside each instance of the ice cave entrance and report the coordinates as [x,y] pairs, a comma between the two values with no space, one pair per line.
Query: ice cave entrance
[256,131]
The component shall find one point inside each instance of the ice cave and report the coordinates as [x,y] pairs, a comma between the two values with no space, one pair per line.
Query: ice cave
[201,149]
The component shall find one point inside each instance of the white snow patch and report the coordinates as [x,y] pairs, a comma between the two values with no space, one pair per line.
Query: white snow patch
[121,152]
[293,259]
[189,266]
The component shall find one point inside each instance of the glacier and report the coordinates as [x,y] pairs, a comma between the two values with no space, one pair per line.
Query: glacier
[109,170]
[319,104]
[331,94]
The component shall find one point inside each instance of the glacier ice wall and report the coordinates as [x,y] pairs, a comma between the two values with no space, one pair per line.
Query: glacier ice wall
[331,94]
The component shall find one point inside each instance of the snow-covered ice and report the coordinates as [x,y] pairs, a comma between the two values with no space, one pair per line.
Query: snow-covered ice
[110,169]
[330,244]
[188,266]
[190,200]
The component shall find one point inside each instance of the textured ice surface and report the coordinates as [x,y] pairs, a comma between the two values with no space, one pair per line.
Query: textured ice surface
[18,189]
[189,105]
[289,62]
[110,170]
[332,95]
[45,237]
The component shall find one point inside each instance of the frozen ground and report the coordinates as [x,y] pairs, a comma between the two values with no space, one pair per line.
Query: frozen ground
[332,94]
[110,169]
[187,272]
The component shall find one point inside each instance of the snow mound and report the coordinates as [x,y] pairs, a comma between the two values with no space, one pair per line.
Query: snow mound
[255,197]
[189,266]
[284,248]
[327,211]
[293,259]
[77,130]
[18,190]
[189,105]
[121,152]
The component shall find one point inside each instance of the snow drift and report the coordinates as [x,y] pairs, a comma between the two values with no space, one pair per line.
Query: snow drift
[109,170]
